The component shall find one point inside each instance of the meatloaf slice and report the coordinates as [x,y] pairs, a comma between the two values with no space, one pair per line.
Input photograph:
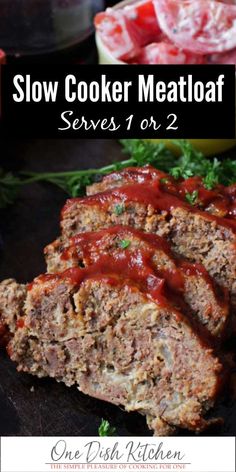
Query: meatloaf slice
[207,303]
[119,343]
[129,175]
[219,201]
[194,234]
[12,296]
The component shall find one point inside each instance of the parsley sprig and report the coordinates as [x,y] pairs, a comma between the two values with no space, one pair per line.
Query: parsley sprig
[125,243]
[190,163]
[119,209]
[139,153]
[192,197]
[9,188]
[105,429]
[75,182]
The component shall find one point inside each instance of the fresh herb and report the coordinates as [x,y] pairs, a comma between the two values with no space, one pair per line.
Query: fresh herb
[119,209]
[164,180]
[190,163]
[212,177]
[105,429]
[193,162]
[9,188]
[192,197]
[145,152]
[124,243]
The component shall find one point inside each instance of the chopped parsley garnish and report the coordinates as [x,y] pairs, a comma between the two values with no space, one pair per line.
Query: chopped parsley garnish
[119,209]
[124,243]
[164,180]
[192,197]
[212,178]
[105,429]
[190,163]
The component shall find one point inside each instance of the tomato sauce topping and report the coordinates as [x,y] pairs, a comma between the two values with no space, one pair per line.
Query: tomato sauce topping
[88,248]
[165,194]
[95,239]
[132,266]
[222,198]
[135,270]
[102,256]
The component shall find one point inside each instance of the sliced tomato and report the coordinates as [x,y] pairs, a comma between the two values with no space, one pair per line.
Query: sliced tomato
[113,29]
[124,31]
[201,26]
[142,22]
[165,53]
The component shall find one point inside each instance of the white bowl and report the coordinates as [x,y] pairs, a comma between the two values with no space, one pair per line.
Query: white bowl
[105,57]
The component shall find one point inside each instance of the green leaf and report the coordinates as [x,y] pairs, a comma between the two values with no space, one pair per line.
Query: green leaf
[192,197]
[210,181]
[148,153]
[9,188]
[139,153]
[164,180]
[105,429]
[119,209]
[124,243]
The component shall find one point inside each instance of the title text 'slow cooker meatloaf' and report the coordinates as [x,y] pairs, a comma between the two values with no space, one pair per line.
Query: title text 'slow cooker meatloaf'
[192,233]
[133,250]
[118,340]
[219,201]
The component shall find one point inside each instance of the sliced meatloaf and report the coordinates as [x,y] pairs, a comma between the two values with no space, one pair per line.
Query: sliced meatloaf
[119,340]
[194,234]
[206,302]
[12,296]
[129,175]
[219,201]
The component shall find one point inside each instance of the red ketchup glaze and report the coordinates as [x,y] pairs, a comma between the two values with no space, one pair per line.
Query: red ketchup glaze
[217,196]
[135,267]
[161,198]
[135,270]
[151,194]
[90,246]
[230,192]
[20,323]
[136,174]
[131,266]
[94,240]
[223,198]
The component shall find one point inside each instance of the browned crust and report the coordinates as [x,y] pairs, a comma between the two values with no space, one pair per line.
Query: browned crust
[117,345]
[187,280]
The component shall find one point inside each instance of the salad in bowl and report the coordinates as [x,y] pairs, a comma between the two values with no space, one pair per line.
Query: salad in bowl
[168,32]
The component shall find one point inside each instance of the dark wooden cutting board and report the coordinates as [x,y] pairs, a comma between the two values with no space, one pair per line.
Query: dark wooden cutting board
[30,406]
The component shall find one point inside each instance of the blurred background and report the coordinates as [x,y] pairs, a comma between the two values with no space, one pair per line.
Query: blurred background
[49,30]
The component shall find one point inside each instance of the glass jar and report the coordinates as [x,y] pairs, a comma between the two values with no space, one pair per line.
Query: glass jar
[32,27]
